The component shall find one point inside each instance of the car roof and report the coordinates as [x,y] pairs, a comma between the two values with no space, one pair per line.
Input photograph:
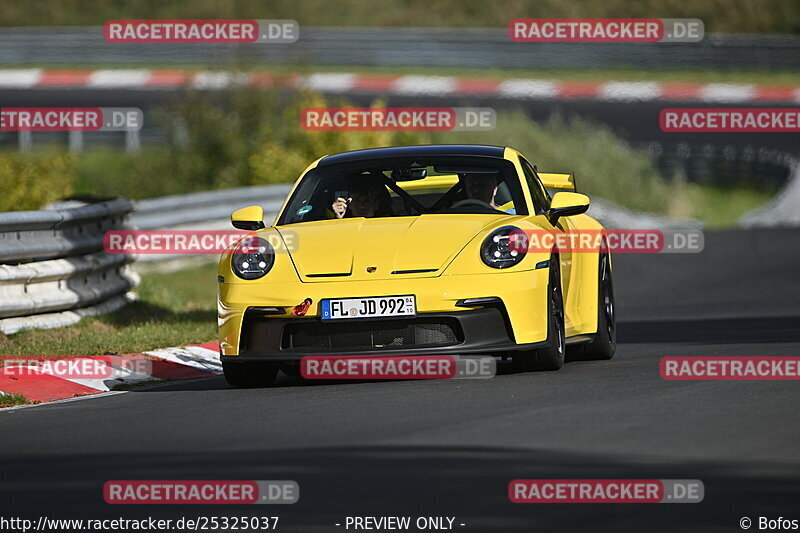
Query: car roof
[414,151]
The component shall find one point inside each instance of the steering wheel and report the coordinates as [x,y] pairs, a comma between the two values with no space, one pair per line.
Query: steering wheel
[471,202]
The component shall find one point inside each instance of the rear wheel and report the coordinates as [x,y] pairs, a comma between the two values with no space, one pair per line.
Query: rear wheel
[604,344]
[249,374]
[551,357]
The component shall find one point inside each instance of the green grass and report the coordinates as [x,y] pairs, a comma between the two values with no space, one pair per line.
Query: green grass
[12,400]
[113,172]
[604,164]
[174,309]
[720,207]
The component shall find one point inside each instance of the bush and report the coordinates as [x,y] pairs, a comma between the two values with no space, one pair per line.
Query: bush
[155,171]
[250,136]
[283,158]
[244,136]
[28,181]
[604,164]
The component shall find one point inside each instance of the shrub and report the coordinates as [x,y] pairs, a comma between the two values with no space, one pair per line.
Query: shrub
[249,136]
[28,181]
[604,164]
[282,158]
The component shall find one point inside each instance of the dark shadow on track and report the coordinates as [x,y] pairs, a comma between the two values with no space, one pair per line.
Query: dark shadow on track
[284,380]
[465,482]
[755,329]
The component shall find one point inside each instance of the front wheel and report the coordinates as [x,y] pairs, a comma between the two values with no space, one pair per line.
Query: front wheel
[604,344]
[551,357]
[249,374]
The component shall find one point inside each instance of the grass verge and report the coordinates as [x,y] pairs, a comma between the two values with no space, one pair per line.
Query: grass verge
[13,400]
[174,309]
[721,207]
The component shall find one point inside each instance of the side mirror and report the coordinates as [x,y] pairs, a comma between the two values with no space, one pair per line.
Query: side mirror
[248,218]
[567,204]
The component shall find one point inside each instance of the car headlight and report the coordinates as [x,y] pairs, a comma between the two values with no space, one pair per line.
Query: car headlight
[505,247]
[252,258]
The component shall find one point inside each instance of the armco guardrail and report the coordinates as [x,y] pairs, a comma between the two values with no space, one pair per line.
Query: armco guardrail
[204,210]
[53,269]
[465,47]
[206,207]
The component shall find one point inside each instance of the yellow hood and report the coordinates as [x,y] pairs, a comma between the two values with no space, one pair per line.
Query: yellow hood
[392,247]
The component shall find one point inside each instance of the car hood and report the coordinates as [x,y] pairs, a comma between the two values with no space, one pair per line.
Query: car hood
[381,248]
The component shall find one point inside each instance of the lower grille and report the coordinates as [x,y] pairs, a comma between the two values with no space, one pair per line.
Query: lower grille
[375,334]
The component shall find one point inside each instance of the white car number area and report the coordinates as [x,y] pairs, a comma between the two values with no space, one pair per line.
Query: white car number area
[368,307]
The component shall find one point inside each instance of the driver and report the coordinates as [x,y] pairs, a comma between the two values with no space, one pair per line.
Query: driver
[481,187]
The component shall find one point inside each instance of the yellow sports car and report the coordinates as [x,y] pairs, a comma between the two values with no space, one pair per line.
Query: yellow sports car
[416,250]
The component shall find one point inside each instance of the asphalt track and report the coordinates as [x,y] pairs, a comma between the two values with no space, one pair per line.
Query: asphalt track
[449,448]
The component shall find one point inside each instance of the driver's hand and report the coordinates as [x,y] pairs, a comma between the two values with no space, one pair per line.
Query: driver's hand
[339,207]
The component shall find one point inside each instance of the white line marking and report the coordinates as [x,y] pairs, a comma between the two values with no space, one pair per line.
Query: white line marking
[333,82]
[630,91]
[527,88]
[727,92]
[187,358]
[23,78]
[109,79]
[219,80]
[424,85]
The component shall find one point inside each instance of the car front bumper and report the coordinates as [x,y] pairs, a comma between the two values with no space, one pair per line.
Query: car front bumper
[478,331]
[517,322]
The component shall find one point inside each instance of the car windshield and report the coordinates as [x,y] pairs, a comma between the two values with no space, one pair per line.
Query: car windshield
[407,187]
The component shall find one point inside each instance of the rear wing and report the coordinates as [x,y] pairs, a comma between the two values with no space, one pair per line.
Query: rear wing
[562,182]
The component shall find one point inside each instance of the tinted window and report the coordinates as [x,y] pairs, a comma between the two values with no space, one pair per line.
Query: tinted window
[541,200]
[406,187]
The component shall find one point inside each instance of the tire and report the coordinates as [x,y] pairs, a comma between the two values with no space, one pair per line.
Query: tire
[551,357]
[604,344]
[292,370]
[248,375]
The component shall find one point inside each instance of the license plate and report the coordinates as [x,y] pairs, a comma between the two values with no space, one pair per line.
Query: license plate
[369,307]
